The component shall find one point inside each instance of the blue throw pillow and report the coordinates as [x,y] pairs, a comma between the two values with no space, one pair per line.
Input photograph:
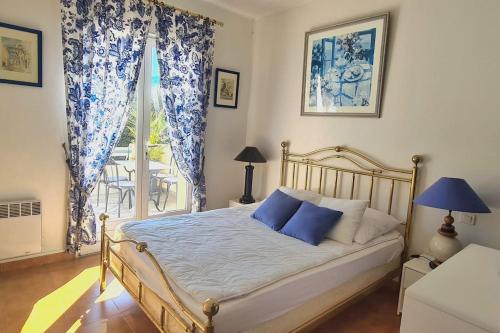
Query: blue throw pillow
[311,223]
[276,210]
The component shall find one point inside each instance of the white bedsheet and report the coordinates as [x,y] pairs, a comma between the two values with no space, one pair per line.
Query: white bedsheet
[207,255]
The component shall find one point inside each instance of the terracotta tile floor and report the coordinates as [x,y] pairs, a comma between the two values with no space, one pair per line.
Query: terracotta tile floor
[64,297]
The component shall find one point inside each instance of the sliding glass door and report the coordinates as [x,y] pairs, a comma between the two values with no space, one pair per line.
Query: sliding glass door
[164,190]
[141,179]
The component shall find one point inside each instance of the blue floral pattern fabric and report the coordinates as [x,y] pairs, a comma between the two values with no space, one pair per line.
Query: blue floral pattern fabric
[185,46]
[103,47]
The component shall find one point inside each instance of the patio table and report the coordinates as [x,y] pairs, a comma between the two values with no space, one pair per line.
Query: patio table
[154,168]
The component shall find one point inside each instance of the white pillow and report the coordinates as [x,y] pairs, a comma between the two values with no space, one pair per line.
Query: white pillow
[353,210]
[374,224]
[302,195]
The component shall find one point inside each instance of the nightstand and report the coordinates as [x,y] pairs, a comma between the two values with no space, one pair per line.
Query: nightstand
[236,203]
[413,270]
[460,296]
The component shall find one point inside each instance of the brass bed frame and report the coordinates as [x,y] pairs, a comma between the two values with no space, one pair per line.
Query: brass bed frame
[175,316]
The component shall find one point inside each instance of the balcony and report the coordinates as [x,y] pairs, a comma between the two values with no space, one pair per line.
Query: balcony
[116,192]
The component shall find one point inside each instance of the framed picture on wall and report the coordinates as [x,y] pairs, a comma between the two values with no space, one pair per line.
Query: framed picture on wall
[343,68]
[20,55]
[226,88]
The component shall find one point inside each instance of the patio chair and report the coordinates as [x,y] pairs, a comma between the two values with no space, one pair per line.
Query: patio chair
[110,175]
[170,179]
[123,186]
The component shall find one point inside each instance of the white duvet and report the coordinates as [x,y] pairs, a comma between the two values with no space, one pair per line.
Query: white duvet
[225,254]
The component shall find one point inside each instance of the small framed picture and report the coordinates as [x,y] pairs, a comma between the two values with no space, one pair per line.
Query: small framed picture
[343,68]
[20,55]
[226,88]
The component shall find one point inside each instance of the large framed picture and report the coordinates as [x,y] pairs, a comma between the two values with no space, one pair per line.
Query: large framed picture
[226,88]
[20,55]
[343,68]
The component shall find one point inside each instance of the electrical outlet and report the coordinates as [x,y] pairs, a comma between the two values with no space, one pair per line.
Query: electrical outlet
[466,218]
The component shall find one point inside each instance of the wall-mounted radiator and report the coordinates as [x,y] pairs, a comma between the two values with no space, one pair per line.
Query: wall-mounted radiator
[20,228]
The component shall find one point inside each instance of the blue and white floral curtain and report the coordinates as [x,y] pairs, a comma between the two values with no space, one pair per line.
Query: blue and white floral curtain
[103,45]
[185,54]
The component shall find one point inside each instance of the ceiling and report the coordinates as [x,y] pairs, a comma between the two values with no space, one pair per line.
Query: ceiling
[257,8]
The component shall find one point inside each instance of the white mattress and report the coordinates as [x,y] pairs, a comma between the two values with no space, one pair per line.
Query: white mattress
[270,301]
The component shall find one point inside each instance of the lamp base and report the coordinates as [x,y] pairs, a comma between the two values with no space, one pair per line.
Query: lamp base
[435,263]
[247,200]
[247,197]
[442,247]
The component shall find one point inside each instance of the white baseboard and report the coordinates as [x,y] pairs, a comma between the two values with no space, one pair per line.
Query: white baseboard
[41,254]
[85,250]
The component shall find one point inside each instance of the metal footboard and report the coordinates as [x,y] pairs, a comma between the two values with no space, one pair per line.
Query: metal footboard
[166,317]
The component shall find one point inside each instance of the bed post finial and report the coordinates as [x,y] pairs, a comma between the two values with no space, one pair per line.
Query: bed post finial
[284,148]
[141,246]
[416,159]
[103,218]
[210,309]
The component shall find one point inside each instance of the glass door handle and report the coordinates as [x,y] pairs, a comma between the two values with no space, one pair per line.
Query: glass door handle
[146,149]
[146,152]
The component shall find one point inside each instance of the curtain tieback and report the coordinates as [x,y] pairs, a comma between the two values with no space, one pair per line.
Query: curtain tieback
[68,163]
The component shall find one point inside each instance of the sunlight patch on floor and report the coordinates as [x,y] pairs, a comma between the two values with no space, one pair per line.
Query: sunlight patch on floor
[49,309]
[76,325]
[114,289]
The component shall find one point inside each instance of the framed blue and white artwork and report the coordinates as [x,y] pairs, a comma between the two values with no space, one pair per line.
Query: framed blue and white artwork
[343,68]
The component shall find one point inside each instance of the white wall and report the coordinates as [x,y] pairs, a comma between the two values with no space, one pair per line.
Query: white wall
[440,98]
[33,125]
[33,120]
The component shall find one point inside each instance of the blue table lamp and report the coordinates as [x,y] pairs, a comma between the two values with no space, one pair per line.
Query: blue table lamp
[452,194]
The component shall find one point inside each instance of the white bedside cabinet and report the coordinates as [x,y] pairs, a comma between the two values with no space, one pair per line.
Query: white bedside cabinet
[413,270]
[462,295]
[236,203]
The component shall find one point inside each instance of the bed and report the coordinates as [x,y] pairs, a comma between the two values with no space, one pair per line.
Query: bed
[222,271]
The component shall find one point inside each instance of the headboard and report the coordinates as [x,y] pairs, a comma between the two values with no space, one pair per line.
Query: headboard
[344,172]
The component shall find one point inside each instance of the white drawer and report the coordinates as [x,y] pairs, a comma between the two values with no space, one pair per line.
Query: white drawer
[411,277]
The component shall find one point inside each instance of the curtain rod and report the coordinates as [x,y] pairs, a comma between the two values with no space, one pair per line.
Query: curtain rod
[160,3]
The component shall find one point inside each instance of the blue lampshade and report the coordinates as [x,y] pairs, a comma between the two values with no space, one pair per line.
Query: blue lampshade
[452,194]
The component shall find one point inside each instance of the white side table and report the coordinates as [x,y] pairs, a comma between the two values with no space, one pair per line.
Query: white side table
[236,203]
[413,270]
[459,296]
